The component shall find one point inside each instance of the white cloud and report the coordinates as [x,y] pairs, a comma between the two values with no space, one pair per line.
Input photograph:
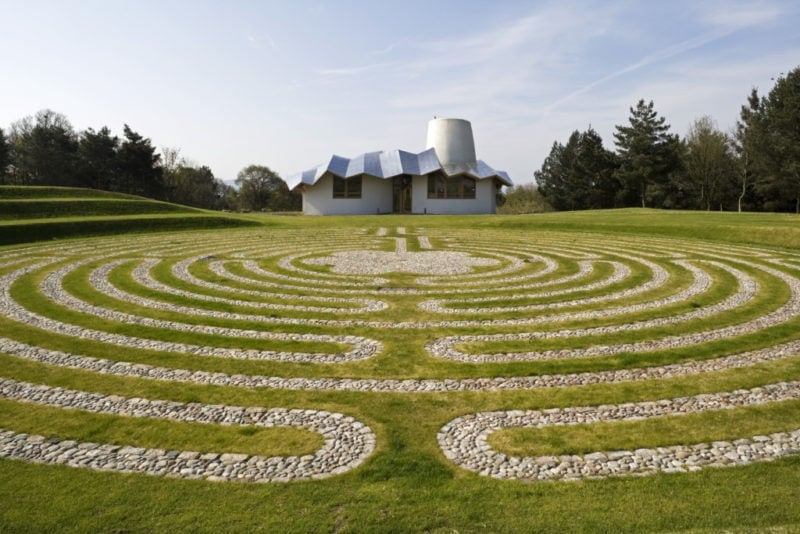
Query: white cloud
[261,40]
[732,15]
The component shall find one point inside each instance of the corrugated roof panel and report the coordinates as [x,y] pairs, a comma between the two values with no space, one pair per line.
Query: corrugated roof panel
[409,162]
[483,170]
[355,166]
[372,164]
[428,161]
[391,163]
[338,165]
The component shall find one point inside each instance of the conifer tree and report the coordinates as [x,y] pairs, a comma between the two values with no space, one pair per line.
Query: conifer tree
[648,155]
[773,138]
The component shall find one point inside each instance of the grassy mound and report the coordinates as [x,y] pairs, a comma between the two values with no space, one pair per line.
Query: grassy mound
[39,213]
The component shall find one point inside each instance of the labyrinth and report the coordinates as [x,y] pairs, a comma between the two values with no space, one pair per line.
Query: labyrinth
[491,323]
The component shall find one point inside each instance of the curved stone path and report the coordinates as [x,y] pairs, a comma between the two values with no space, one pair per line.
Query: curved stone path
[347,442]
[363,348]
[464,440]
[445,347]
[635,286]
[429,385]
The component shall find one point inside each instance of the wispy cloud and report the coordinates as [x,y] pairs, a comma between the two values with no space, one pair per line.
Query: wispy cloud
[383,51]
[650,59]
[353,71]
[736,16]
[261,41]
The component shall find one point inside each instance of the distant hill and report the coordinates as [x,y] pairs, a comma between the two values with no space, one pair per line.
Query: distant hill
[41,213]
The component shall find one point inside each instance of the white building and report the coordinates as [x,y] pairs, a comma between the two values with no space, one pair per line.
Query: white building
[445,178]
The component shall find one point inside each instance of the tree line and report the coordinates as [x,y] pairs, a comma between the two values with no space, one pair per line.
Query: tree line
[45,150]
[756,167]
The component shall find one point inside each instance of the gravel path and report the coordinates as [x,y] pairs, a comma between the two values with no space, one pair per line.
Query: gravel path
[464,440]
[474,278]
[347,442]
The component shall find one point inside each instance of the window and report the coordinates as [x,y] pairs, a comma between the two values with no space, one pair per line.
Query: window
[347,187]
[468,186]
[441,186]
[437,185]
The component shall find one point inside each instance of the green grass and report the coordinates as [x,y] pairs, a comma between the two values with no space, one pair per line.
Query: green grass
[655,432]
[62,208]
[407,484]
[52,192]
[101,428]
[29,214]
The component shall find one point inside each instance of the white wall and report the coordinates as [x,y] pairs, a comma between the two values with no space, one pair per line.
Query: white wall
[376,197]
[484,201]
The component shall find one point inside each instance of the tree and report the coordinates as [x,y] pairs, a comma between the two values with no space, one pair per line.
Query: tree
[139,169]
[5,156]
[198,187]
[260,188]
[578,175]
[593,172]
[551,177]
[171,163]
[709,165]
[772,137]
[648,155]
[44,150]
[191,184]
[525,198]
[97,158]
[743,144]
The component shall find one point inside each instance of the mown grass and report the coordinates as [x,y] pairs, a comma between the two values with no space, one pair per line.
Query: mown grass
[54,192]
[155,433]
[61,208]
[408,485]
[29,214]
[656,432]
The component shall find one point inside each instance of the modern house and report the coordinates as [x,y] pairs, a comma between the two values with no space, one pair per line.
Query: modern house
[444,178]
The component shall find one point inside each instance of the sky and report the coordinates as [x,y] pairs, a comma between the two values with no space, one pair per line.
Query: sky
[289,83]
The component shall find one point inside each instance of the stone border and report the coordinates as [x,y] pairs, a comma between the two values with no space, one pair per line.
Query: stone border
[445,347]
[428,385]
[99,280]
[362,347]
[464,440]
[348,443]
[660,277]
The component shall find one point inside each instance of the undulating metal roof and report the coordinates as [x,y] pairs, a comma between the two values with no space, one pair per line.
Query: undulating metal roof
[391,163]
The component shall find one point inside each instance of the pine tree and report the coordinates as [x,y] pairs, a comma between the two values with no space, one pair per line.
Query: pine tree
[774,140]
[138,165]
[578,175]
[594,169]
[97,155]
[648,155]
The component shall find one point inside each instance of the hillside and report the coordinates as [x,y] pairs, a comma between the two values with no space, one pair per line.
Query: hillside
[40,213]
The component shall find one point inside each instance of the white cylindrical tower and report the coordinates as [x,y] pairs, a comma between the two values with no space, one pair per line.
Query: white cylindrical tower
[453,141]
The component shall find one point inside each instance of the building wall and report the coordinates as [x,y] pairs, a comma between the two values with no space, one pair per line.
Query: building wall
[376,197]
[484,201]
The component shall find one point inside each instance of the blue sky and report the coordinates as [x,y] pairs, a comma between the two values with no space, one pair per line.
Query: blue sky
[289,83]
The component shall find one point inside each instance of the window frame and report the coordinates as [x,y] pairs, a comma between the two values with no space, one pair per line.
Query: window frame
[457,187]
[347,188]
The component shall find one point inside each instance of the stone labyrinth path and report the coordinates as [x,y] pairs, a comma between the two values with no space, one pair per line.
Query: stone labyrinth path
[408,311]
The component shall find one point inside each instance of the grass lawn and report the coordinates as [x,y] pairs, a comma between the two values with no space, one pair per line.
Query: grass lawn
[252,277]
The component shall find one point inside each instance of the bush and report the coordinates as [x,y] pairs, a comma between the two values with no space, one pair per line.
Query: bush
[524,198]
